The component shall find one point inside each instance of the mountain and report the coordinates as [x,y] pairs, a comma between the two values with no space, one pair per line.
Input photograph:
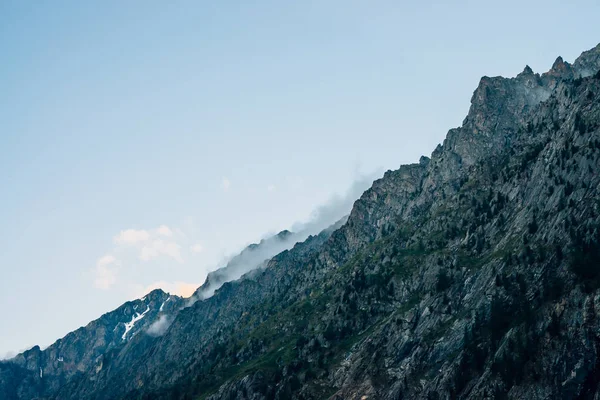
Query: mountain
[40,372]
[471,274]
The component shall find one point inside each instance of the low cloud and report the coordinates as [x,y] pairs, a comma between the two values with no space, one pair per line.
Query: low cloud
[160,326]
[8,355]
[250,258]
[12,354]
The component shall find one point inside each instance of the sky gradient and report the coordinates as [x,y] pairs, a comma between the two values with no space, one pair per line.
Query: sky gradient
[140,144]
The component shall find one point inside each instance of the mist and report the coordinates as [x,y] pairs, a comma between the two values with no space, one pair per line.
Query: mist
[160,326]
[337,207]
[8,355]
[256,255]
[12,354]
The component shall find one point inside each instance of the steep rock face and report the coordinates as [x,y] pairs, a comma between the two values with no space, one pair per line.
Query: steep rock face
[473,274]
[505,309]
[587,63]
[481,284]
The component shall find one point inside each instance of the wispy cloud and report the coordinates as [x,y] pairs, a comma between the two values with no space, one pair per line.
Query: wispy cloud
[159,247]
[160,326]
[324,216]
[152,246]
[131,236]
[143,245]
[196,248]
[164,231]
[337,206]
[105,272]
[11,354]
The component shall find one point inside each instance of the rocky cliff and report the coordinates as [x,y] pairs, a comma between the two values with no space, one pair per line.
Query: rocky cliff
[472,274]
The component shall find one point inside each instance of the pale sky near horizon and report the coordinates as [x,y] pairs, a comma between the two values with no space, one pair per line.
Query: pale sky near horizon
[141,144]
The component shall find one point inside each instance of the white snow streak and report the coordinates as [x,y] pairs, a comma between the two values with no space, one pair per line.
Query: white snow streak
[163,304]
[129,325]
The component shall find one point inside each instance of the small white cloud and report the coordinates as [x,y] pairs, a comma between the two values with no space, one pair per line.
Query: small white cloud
[271,188]
[105,276]
[160,326]
[105,260]
[196,248]
[132,236]
[225,184]
[148,253]
[160,247]
[11,354]
[164,231]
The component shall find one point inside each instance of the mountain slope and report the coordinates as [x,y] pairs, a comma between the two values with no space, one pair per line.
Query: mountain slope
[473,274]
[42,373]
[37,372]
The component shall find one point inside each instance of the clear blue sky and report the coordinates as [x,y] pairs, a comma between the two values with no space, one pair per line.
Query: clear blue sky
[219,122]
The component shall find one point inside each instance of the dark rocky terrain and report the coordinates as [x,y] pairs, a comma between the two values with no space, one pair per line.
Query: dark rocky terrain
[472,274]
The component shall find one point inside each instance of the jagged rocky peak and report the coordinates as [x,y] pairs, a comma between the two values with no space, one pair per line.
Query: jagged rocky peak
[529,79]
[561,69]
[496,94]
[498,99]
[526,71]
[499,104]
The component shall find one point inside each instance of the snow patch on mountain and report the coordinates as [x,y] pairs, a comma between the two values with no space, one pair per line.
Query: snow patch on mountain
[129,325]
